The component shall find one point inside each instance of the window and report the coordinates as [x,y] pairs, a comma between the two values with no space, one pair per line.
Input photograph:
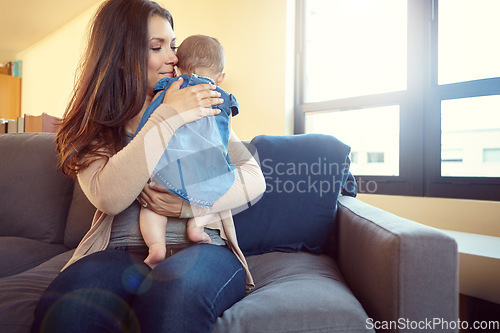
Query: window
[373,48]
[469,126]
[467,30]
[491,155]
[380,131]
[412,86]
[375,157]
[354,157]
[451,155]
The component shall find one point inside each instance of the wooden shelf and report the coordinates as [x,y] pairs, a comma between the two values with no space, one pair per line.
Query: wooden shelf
[10,96]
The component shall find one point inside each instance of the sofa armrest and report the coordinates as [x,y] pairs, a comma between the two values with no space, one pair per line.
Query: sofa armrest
[401,271]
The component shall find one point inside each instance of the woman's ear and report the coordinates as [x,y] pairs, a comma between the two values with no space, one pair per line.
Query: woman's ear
[220,78]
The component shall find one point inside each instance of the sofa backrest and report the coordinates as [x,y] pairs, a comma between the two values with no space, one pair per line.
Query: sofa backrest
[36,198]
[80,215]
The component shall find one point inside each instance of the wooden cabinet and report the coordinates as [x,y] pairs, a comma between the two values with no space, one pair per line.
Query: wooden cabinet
[10,96]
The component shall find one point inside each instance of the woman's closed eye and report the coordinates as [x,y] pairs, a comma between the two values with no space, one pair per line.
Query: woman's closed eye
[158,48]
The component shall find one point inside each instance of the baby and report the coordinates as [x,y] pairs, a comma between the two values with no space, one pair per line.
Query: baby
[195,166]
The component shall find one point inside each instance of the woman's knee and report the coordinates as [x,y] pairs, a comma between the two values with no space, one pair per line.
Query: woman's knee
[198,265]
[99,286]
[208,274]
[199,282]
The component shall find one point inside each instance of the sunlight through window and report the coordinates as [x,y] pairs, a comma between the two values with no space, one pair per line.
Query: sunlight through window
[354,48]
[468,40]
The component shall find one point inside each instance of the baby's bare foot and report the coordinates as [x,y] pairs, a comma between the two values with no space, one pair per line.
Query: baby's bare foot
[157,253]
[198,235]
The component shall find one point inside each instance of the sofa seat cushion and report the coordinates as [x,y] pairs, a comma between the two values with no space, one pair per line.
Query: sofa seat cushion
[20,254]
[295,292]
[21,292]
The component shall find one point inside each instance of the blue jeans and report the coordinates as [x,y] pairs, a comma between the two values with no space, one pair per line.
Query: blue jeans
[114,291]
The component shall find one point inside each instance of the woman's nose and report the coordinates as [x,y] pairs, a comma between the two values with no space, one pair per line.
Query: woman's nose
[171,57]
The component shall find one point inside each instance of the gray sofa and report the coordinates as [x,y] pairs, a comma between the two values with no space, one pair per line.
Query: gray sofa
[381,272]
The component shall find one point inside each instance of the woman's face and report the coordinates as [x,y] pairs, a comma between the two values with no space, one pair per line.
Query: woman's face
[162,46]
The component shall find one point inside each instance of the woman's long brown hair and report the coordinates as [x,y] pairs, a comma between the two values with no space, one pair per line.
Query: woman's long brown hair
[112,85]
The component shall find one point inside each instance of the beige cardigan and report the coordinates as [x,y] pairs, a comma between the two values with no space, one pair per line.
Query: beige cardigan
[113,184]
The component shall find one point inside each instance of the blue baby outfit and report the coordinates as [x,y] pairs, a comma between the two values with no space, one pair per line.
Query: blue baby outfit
[195,165]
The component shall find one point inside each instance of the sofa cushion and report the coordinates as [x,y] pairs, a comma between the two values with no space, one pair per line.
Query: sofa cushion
[80,215]
[20,254]
[21,292]
[299,292]
[35,195]
[304,175]
[295,292]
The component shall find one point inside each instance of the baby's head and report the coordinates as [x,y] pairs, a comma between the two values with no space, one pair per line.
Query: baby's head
[202,55]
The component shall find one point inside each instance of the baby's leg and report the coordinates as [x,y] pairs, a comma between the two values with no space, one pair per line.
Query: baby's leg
[153,229]
[195,228]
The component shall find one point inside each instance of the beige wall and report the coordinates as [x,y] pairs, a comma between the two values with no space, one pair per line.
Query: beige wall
[253,34]
[474,216]
[259,51]
[50,65]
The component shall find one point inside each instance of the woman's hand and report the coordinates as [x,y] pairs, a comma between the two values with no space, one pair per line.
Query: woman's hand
[200,95]
[160,200]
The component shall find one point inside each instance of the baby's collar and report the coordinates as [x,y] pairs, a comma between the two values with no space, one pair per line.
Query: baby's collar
[204,77]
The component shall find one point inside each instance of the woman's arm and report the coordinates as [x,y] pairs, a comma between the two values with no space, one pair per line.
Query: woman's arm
[249,182]
[113,183]
[248,185]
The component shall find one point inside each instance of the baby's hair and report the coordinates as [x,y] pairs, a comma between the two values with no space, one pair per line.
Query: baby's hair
[199,51]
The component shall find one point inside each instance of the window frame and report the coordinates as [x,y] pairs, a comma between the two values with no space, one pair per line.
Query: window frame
[420,113]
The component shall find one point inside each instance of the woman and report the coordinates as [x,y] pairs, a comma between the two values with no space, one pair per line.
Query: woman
[106,286]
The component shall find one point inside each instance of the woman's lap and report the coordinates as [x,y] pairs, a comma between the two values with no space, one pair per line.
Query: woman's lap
[185,293]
